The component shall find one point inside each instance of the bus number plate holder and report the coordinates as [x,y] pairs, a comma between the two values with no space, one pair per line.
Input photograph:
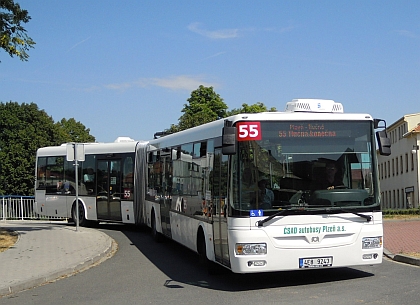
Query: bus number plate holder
[315,262]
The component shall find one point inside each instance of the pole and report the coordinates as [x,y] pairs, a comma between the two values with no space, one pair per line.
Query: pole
[76,165]
[417,188]
[21,208]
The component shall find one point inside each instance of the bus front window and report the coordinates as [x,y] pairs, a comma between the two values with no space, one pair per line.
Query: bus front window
[325,163]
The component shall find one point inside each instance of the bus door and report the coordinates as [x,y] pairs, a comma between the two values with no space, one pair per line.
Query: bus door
[166,193]
[108,197]
[220,191]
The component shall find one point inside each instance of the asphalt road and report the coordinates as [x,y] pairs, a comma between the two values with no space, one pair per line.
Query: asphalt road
[144,272]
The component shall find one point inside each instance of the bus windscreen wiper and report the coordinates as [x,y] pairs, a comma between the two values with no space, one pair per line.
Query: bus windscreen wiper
[261,222]
[367,217]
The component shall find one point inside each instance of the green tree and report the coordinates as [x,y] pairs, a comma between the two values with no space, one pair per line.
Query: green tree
[204,105]
[72,131]
[24,129]
[255,108]
[13,37]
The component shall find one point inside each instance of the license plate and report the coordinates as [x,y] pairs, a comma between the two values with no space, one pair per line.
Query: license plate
[315,262]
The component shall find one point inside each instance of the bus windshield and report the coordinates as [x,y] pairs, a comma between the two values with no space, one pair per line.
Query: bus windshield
[318,165]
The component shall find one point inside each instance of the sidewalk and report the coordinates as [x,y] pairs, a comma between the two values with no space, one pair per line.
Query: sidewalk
[402,240]
[46,251]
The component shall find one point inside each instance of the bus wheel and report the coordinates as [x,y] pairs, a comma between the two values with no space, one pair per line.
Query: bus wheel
[157,237]
[82,219]
[211,267]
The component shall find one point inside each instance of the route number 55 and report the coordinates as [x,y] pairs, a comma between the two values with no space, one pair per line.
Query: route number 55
[248,131]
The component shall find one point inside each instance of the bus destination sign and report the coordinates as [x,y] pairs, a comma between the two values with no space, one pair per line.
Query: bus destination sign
[307,130]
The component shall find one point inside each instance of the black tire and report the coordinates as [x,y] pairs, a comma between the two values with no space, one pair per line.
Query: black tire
[157,237]
[83,222]
[211,267]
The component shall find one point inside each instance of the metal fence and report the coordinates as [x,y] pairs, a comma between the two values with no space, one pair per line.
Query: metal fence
[17,207]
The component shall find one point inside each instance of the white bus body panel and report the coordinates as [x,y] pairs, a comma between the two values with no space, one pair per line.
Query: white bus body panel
[290,238]
[90,207]
[127,212]
[184,231]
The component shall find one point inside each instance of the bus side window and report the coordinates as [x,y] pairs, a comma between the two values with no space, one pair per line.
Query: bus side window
[41,173]
[128,178]
[89,175]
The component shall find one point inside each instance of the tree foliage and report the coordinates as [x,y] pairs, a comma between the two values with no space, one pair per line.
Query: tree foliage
[13,37]
[205,105]
[255,108]
[72,131]
[24,129]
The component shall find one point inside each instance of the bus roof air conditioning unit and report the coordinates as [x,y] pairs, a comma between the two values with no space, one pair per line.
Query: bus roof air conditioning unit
[314,105]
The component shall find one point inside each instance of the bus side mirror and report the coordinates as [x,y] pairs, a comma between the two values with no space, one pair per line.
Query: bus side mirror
[384,143]
[229,140]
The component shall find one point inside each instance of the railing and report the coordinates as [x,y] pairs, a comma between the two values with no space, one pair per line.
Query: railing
[17,207]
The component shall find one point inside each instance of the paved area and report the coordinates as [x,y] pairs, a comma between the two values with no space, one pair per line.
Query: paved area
[402,240]
[46,251]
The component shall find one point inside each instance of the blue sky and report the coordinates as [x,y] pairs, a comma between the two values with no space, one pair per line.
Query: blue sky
[126,68]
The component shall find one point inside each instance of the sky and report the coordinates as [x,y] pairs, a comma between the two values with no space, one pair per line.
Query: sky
[126,68]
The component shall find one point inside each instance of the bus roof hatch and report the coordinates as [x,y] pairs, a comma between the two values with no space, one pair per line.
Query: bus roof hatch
[313,105]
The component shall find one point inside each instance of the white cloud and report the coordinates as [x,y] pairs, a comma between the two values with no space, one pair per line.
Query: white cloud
[280,30]
[77,44]
[214,55]
[234,33]
[180,82]
[406,33]
[217,34]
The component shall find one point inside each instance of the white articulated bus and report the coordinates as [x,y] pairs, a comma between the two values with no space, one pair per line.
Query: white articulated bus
[260,192]
[106,182]
[249,192]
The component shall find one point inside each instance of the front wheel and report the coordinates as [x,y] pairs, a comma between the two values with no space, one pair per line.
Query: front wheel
[211,267]
[157,237]
[82,218]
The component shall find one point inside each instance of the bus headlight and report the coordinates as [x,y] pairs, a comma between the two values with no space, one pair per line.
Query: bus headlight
[371,242]
[251,249]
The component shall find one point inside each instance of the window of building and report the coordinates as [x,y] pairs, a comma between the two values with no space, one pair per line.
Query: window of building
[412,162]
[393,168]
[393,199]
[389,169]
[401,164]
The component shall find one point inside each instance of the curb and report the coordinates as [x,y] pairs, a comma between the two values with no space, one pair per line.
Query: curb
[406,259]
[401,258]
[110,250]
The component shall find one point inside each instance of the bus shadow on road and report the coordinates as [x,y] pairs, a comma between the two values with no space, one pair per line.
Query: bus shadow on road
[182,268]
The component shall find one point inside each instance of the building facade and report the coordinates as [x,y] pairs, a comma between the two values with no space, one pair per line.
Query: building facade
[399,172]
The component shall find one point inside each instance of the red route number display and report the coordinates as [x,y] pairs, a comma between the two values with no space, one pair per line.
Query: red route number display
[248,131]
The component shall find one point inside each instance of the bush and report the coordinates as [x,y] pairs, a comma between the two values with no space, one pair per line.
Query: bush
[392,212]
